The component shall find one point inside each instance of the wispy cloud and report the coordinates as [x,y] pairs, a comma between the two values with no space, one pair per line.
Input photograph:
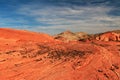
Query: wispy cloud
[87,18]
[54,16]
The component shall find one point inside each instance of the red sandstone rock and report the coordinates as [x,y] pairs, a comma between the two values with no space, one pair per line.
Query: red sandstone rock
[109,36]
[27,55]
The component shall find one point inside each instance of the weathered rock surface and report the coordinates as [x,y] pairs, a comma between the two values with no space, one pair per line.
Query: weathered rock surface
[109,36]
[81,36]
[27,55]
[71,36]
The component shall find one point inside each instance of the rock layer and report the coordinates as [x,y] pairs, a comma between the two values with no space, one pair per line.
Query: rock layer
[109,36]
[27,55]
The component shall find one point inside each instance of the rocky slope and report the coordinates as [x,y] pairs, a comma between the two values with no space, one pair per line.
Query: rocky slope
[12,34]
[71,36]
[40,57]
[81,36]
[109,36]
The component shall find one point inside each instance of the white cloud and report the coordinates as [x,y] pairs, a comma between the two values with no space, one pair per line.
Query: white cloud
[91,19]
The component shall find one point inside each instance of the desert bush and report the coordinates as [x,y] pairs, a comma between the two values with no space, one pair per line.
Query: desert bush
[59,54]
[42,49]
[54,52]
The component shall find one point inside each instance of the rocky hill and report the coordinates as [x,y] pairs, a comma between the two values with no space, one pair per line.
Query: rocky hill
[71,36]
[26,55]
[109,36]
[8,34]
[81,36]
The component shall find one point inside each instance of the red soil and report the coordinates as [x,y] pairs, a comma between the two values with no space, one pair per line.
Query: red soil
[28,55]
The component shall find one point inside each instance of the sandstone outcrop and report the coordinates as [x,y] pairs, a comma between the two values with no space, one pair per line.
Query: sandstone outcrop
[26,55]
[71,36]
[109,36]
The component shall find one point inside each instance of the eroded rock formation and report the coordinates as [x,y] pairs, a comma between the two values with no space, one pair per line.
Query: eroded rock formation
[37,56]
[109,36]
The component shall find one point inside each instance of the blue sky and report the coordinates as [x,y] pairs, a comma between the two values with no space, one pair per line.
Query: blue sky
[55,16]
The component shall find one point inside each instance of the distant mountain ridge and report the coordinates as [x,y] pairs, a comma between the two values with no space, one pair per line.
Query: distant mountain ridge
[7,33]
[109,36]
[82,36]
[70,36]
